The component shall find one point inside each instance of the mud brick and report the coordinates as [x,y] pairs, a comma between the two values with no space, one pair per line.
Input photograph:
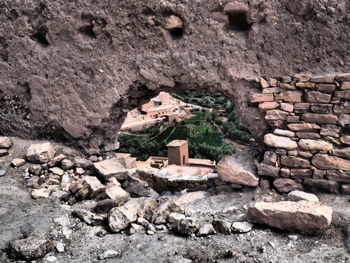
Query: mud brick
[273,82]
[302,78]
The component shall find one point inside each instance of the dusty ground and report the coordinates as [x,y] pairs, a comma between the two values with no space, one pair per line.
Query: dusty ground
[260,245]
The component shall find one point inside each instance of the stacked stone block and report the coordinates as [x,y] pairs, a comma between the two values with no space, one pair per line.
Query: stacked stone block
[308,145]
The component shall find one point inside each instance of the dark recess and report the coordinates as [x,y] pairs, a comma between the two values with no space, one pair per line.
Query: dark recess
[40,36]
[239,21]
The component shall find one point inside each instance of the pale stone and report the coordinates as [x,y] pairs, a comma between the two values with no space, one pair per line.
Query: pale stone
[17,162]
[173,22]
[303,126]
[324,161]
[111,168]
[280,142]
[108,254]
[286,133]
[269,105]
[5,142]
[300,195]
[285,185]
[205,230]
[231,170]
[345,139]
[40,152]
[40,193]
[302,216]
[315,145]
[115,192]
[57,171]
[241,227]
[87,187]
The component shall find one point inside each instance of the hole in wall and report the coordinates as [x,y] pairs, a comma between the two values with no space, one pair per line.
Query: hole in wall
[40,36]
[88,31]
[239,21]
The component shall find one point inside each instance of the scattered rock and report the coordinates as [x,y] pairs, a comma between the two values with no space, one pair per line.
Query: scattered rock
[40,193]
[55,161]
[31,248]
[140,188]
[3,152]
[2,173]
[119,218]
[115,192]
[135,228]
[300,195]
[187,226]
[83,163]
[88,217]
[108,254]
[60,247]
[105,206]
[40,153]
[5,142]
[35,169]
[241,227]
[66,164]
[57,171]
[238,169]
[18,162]
[111,168]
[205,230]
[173,23]
[222,226]
[302,216]
[87,187]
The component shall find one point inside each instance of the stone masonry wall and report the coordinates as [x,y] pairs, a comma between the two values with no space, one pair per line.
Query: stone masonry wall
[308,145]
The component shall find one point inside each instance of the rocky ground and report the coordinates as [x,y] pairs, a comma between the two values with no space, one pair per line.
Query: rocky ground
[133,223]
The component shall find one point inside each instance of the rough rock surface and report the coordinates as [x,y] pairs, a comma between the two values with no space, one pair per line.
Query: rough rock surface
[302,216]
[238,169]
[87,62]
[40,152]
[31,248]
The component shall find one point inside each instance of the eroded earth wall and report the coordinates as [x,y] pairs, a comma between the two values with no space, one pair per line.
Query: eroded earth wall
[70,70]
[309,134]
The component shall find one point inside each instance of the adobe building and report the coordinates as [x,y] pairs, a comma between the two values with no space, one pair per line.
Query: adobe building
[178,152]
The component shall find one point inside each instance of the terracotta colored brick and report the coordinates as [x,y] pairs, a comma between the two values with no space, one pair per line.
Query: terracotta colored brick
[305,85]
[326,88]
[289,96]
[319,118]
[261,98]
[269,105]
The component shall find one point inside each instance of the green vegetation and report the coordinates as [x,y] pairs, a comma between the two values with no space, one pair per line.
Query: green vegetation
[203,131]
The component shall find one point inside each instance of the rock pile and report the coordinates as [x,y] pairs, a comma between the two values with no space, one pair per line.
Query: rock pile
[309,119]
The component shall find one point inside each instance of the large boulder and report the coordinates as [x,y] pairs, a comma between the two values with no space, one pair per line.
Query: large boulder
[302,216]
[31,248]
[87,187]
[5,142]
[111,168]
[40,153]
[238,169]
[119,218]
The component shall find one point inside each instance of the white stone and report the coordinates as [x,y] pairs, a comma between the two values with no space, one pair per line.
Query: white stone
[40,153]
[5,142]
[286,133]
[17,162]
[40,193]
[60,247]
[315,145]
[111,168]
[57,171]
[300,195]
[280,142]
[241,227]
